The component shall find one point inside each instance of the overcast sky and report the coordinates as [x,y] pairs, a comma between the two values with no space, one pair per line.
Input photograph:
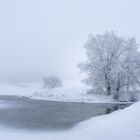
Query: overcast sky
[46,37]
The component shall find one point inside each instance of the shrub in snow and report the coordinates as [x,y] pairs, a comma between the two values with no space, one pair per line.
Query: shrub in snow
[113,63]
[52,82]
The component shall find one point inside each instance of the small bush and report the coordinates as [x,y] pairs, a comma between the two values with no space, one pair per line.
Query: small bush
[52,82]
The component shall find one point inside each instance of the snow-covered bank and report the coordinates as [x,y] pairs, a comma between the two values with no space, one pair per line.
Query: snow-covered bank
[71,95]
[77,92]
[25,89]
[70,92]
[122,125]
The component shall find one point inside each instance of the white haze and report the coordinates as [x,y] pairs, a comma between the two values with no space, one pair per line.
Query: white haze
[45,37]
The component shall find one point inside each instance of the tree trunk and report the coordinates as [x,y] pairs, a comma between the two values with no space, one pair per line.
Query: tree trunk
[108,90]
[116,96]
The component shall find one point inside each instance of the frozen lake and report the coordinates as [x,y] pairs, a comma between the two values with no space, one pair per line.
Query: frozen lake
[38,115]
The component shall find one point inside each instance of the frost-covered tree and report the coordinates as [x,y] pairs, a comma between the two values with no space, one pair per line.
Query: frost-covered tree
[113,63]
[52,82]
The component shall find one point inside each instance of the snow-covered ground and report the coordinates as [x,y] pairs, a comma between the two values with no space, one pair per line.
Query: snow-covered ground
[70,92]
[25,89]
[67,94]
[122,125]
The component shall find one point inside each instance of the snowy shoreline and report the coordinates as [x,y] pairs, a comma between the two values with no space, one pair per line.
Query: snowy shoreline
[34,98]
[68,93]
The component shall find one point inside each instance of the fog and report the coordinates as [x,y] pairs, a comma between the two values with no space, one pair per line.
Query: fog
[46,37]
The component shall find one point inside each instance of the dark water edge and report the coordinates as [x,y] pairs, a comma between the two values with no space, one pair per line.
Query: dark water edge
[39,115]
